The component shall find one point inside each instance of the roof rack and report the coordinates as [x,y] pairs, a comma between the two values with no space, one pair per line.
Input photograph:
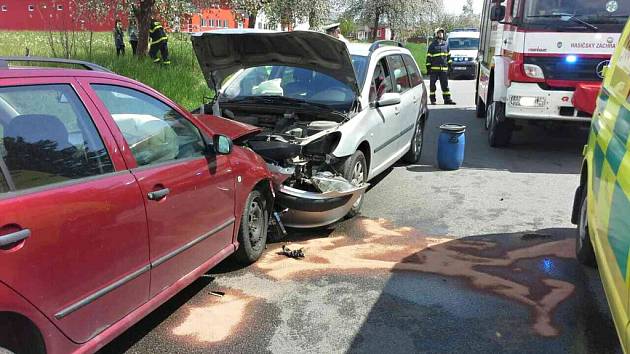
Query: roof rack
[4,62]
[379,44]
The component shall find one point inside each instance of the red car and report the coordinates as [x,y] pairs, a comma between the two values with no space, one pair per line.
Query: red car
[112,199]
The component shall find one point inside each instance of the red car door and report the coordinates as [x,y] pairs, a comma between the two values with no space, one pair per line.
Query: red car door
[188,192]
[73,229]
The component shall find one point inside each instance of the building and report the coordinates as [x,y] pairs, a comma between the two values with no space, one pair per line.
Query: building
[262,22]
[59,15]
[63,15]
[213,18]
[364,33]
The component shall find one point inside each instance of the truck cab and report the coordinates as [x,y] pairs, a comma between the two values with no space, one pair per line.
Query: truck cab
[543,60]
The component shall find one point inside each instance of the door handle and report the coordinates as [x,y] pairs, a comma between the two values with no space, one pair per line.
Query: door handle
[397,111]
[6,240]
[159,194]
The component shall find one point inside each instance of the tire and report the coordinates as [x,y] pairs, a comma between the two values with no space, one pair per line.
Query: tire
[5,351]
[583,246]
[417,141]
[356,175]
[481,107]
[252,233]
[499,128]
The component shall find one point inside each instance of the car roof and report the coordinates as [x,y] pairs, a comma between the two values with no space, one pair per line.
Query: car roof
[363,49]
[464,34]
[35,72]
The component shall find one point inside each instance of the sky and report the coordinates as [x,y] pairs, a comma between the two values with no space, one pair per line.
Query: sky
[455,6]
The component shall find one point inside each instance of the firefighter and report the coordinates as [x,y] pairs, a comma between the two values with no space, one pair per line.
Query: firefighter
[159,42]
[438,63]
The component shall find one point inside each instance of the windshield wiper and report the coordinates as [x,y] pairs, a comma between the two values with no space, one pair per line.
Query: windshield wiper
[567,17]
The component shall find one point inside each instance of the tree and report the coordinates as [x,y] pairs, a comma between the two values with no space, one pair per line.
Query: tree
[401,15]
[289,12]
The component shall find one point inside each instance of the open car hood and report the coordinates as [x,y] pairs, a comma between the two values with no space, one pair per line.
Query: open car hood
[224,52]
[232,129]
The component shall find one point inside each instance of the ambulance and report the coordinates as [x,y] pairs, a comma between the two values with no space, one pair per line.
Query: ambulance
[602,201]
[543,60]
[463,45]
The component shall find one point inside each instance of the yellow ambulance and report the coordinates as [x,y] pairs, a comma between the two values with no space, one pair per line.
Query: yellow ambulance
[602,202]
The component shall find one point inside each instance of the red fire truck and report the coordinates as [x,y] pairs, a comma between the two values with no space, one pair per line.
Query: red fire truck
[543,60]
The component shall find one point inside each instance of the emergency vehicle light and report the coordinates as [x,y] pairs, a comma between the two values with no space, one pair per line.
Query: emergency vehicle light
[571,59]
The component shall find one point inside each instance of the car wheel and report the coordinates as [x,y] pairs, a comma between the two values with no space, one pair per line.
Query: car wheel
[5,351]
[499,128]
[355,170]
[415,150]
[583,246]
[252,233]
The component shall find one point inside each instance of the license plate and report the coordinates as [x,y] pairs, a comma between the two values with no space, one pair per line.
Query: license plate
[459,68]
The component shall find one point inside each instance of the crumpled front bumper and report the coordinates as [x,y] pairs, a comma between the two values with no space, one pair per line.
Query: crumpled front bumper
[310,209]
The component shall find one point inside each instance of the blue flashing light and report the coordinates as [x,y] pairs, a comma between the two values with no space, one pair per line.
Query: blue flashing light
[571,59]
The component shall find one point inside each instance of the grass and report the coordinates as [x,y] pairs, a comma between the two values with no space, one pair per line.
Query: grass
[419,52]
[182,81]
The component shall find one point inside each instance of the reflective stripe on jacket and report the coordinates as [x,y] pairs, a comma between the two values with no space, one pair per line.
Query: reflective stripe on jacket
[157,33]
[438,55]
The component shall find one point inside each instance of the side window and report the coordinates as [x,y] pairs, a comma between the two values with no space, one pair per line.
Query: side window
[49,137]
[4,186]
[412,69]
[154,131]
[401,79]
[381,81]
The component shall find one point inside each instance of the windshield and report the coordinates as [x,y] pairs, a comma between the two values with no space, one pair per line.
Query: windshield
[592,11]
[295,83]
[463,43]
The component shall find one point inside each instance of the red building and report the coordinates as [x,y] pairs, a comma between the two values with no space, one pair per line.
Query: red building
[214,18]
[37,15]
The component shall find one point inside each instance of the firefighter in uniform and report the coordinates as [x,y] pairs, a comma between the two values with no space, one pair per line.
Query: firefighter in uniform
[159,42]
[438,62]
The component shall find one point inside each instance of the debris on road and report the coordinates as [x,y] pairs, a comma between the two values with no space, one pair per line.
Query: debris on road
[296,254]
[217,293]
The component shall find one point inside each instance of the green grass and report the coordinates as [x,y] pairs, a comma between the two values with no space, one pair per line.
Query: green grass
[182,81]
[419,52]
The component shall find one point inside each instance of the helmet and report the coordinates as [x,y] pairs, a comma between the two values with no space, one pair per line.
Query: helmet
[439,29]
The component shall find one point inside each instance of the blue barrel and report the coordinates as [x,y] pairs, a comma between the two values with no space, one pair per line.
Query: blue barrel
[451,146]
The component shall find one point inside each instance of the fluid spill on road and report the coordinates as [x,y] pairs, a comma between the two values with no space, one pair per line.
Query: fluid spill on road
[217,320]
[368,245]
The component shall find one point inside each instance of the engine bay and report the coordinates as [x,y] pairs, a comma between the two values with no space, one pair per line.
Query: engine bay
[297,147]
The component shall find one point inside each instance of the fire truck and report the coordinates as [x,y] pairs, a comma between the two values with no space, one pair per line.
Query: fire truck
[543,60]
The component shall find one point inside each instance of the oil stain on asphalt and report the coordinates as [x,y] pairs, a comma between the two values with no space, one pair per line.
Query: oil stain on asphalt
[368,282]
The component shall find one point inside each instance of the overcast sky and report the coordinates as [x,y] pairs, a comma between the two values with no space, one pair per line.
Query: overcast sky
[455,6]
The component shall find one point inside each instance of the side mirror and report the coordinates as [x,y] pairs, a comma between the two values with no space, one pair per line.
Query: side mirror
[497,13]
[222,144]
[388,99]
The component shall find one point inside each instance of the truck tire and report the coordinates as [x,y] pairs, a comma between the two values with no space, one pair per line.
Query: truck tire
[252,233]
[355,169]
[499,128]
[583,246]
[481,107]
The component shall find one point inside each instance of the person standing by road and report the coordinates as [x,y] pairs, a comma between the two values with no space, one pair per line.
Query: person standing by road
[119,38]
[132,32]
[438,62]
[334,30]
[159,42]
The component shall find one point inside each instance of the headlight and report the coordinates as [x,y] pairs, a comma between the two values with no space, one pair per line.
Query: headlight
[533,71]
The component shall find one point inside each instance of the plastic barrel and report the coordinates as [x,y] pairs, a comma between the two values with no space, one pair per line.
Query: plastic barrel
[451,146]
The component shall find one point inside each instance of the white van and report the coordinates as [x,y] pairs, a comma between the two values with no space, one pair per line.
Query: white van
[463,45]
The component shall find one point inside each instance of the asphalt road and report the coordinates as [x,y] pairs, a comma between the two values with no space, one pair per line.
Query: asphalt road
[475,260]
